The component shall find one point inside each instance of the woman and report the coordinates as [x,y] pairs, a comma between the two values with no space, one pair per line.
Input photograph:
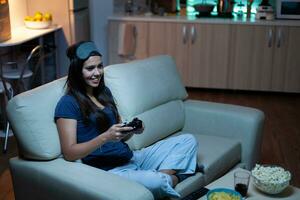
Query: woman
[90,129]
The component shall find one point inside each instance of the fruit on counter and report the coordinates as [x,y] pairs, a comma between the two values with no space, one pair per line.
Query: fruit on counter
[39,16]
[47,16]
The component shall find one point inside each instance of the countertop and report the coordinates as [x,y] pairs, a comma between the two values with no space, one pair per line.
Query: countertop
[22,34]
[210,20]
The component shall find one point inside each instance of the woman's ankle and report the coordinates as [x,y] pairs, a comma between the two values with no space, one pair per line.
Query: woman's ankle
[175,180]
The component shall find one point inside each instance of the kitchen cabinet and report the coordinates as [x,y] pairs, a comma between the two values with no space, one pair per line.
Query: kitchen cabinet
[286,60]
[171,39]
[209,55]
[251,57]
[140,37]
[264,58]
[224,55]
[200,51]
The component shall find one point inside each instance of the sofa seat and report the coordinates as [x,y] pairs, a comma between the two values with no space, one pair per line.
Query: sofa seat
[217,154]
[190,184]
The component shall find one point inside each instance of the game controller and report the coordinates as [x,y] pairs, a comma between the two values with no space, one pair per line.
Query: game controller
[136,124]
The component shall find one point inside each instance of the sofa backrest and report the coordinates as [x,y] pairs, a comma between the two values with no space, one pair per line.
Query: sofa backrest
[152,90]
[31,116]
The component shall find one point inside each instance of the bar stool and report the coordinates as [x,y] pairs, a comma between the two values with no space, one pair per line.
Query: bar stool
[7,91]
[13,72]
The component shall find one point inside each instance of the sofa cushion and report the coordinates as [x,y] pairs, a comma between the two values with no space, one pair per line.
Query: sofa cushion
[159,122]
[31,116]
[141,85]
[217,154]
[190,184]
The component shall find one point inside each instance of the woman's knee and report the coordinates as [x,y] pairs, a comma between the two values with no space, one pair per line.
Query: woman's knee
[189,139]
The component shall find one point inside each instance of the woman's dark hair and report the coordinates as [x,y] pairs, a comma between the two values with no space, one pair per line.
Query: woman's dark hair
[76,87]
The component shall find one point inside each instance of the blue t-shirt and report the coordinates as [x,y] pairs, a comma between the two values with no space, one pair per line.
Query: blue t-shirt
[110,154]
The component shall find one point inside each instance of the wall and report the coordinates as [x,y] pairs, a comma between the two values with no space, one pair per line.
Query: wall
[99,12]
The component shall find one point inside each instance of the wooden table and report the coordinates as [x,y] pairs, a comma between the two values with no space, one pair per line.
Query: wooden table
[226,181]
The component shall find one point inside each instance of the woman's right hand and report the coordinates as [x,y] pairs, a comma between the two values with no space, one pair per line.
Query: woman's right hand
[114,133]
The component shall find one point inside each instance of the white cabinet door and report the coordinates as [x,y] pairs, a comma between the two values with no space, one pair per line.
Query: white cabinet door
[171,39]
[209,55]
[292,75]
[201,51]
[251,57]
[286,62]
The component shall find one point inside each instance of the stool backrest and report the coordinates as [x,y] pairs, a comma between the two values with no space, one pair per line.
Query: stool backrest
[17,70]
[36,51]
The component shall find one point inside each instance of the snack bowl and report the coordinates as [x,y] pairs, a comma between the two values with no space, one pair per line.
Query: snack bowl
[223,193]
[270,179]
[38,24]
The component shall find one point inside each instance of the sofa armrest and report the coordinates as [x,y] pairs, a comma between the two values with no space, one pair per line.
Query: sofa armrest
[241,123]
[60,179]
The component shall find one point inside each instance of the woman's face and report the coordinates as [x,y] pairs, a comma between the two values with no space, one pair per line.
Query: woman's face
[92,71]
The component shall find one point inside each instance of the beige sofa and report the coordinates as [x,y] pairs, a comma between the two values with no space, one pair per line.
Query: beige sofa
[150,89]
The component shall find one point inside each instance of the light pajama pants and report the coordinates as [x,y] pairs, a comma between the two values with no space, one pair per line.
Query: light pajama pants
[178,153]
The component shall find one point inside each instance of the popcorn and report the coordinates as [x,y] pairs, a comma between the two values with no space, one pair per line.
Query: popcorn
[270,179]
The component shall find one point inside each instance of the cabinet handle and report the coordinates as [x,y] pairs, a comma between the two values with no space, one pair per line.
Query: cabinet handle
[193,34]
[184,34]
[279,38]
[135,34]
[270,38]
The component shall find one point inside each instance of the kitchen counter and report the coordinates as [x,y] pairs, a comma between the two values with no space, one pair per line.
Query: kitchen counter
[22,34]
[208,20]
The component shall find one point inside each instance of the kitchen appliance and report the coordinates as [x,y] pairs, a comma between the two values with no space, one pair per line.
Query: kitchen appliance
[288,9]
[79,20]
[169,6]
[204,8]
[225,8]
[264,11]
[5,33]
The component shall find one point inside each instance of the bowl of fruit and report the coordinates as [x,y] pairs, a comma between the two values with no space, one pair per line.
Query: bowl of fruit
[38,21]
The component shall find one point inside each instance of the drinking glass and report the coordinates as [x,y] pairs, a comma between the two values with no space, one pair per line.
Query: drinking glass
[241,182]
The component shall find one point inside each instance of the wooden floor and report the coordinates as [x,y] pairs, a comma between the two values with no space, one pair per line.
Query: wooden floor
[281,141]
